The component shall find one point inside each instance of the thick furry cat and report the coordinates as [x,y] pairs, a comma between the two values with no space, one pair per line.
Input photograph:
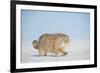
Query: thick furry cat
[51,43]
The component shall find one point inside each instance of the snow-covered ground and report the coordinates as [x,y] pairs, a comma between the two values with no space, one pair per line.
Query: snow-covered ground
[77,50]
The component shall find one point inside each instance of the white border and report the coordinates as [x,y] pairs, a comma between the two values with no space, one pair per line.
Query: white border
[20,65]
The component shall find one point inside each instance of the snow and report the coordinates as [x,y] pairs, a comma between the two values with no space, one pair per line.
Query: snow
[77,50]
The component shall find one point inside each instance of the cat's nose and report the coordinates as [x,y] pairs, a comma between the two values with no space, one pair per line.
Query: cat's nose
[65,53]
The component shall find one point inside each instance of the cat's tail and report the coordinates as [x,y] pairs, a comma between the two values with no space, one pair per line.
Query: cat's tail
[35,44]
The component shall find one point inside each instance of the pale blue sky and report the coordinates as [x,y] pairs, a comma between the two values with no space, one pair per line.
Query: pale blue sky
[35,23]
